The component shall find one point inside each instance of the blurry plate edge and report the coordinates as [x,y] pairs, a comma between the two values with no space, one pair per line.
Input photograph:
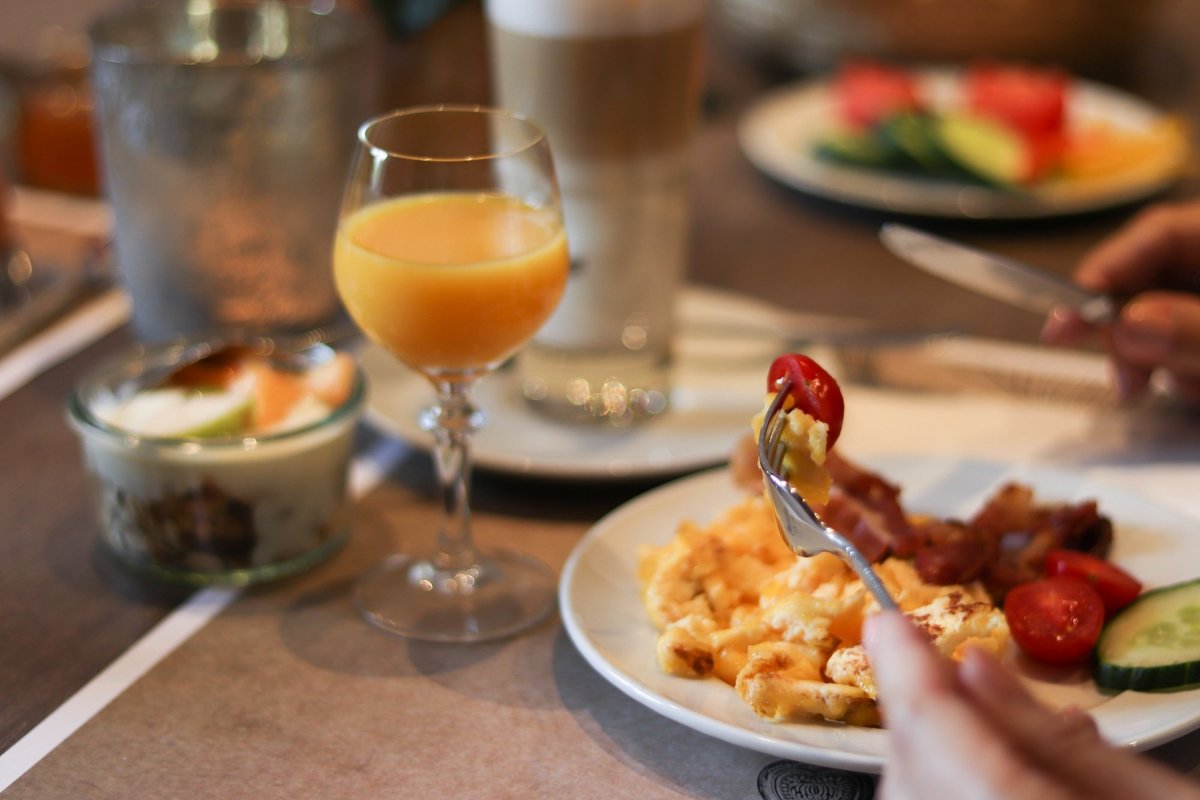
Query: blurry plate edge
[777,134]
[713,402]
[604,617]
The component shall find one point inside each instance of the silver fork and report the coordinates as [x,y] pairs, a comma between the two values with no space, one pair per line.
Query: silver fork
[802,529]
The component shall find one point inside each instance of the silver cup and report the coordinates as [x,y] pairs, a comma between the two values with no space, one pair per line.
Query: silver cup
[226,131]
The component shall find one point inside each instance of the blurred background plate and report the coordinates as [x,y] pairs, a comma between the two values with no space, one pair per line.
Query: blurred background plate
[723,344]
[718,383]
[778,134]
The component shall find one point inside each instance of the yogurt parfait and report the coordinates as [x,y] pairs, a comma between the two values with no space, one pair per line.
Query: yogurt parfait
[221,462]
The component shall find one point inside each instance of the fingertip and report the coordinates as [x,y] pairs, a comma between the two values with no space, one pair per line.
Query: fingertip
[1130,382]
[982,673]
[882,628]
[1147,331]
[1184,387]
[902,658]
[1063,326]
[1079,722]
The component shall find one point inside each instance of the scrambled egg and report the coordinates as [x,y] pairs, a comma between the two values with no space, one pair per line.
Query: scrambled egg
[732,601]
[804,461]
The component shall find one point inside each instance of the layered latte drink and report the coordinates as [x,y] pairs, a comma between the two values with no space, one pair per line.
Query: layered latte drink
[616,84]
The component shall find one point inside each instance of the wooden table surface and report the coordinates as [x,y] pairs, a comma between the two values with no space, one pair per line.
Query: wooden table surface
[68,610]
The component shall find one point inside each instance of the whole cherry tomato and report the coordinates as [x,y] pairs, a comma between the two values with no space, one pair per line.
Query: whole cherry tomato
[1116,587]
[814,391]
[1055,620]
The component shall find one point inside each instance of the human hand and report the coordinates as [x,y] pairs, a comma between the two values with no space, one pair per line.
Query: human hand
[1155,261]
[973,731]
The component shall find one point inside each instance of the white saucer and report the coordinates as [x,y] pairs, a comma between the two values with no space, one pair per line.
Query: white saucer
[725,345]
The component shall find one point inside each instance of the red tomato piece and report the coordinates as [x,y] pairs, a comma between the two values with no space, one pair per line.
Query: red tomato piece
[814,391]
[1045,155]
[1116,587]
[868,92]
[1055,620]
[1030,100]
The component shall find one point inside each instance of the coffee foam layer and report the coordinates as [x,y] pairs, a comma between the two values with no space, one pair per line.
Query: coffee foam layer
[574,18]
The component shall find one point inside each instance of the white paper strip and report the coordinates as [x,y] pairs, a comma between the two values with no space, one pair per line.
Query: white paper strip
[115,679]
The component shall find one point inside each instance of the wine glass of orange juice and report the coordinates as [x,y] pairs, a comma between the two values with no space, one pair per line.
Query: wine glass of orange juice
[451,253]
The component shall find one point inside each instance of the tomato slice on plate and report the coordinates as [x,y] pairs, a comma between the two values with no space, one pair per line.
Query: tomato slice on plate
[813,390]
[1116,587]
[1031,100]
[1055,620]
[868,92]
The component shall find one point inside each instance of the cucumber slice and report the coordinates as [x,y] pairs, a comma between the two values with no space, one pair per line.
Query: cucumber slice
[985,149]
[915,134]
[1153,643]
[866,149]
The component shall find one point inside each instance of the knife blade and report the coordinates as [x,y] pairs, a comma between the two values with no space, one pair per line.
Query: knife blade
[995,276]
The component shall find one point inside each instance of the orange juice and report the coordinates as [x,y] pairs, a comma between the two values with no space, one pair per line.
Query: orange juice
[451,280]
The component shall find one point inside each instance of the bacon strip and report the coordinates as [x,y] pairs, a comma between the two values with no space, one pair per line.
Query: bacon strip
[1003,544]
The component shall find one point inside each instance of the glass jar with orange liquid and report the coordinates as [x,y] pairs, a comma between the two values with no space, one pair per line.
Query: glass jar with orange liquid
[55,142]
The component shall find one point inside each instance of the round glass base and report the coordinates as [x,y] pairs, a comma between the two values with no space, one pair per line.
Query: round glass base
[503,593]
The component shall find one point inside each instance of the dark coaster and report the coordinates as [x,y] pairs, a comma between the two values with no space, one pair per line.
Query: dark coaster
[790,780]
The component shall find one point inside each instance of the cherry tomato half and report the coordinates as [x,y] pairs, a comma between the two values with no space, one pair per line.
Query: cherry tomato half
[1116,587]
[1031,100]
[814,391]
[868,92]
[1055,620]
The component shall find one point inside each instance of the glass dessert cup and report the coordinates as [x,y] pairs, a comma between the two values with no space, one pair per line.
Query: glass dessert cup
[234,509]
[451,253]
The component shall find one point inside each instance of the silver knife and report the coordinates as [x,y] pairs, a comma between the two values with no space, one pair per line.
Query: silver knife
[995,276]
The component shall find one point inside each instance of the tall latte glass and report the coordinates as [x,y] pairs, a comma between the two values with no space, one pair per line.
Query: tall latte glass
[616,86]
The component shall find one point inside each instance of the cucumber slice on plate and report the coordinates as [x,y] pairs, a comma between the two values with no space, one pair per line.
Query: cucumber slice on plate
[914,133]
[1153,643]
[985,149]
[861,149]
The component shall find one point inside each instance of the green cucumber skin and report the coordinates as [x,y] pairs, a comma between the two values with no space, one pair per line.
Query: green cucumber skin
[1111,675]
[862,150]
[915,134]
[966,151]
[910,144]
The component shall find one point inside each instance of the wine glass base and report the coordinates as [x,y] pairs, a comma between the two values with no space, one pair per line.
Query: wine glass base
[503,594]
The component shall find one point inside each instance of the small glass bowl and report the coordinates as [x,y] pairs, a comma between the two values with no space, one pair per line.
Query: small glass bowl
[228,510]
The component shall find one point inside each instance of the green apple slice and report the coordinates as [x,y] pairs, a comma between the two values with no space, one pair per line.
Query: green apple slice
[184,413]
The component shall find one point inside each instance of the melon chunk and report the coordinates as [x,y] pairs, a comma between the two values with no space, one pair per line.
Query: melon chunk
[275,392]
[332,380]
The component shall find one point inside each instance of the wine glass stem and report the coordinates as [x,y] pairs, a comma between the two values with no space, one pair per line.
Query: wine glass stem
[456,420]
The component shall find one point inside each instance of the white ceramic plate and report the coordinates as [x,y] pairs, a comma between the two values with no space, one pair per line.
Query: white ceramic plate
[724,346]
[604,616]
[778,134]
[713,398]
